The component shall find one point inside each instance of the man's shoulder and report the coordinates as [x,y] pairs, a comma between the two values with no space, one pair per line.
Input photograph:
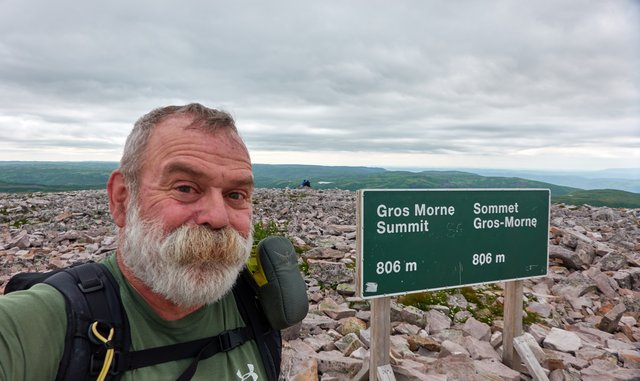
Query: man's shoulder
[33,323]
[40,293]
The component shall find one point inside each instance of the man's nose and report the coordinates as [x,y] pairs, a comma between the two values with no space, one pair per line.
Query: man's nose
[213,211]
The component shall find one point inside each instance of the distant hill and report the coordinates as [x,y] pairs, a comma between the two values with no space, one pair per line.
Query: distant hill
[352,178]
[601,197]
[53,176]
[627,179]
[66,176]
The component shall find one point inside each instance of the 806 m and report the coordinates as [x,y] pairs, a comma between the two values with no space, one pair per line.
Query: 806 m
[481,259]
[390,267]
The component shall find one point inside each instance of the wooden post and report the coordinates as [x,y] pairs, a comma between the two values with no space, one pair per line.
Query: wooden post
[530,359]
[512,322]
[380,331]
[385,373]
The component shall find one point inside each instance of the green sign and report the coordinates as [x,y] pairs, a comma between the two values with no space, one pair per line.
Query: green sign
[416,240]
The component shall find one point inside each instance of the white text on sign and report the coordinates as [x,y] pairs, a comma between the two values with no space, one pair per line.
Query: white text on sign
[419,210]
[506,221]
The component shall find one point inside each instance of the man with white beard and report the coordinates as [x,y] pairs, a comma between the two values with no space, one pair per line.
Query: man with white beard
[181,199]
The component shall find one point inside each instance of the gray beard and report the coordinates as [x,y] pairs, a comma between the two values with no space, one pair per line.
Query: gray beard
[190,266]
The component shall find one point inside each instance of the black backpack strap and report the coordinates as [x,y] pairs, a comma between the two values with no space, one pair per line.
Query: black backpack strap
[268,340]
[91,295]
[198,349]
[24,281]
[256,327]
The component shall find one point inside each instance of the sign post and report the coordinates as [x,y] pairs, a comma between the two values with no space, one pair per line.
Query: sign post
[380,331]
[419,240]
[512,322]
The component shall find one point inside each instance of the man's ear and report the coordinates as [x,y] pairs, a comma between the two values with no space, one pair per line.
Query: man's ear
[118,197]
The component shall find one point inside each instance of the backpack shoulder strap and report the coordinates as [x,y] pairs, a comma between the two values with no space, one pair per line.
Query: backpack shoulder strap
[26,280]
[91,295]
[268,340]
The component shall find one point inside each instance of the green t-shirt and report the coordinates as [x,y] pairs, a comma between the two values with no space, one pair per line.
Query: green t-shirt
[33,325]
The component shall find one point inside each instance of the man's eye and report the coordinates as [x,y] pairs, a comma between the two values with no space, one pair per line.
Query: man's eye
[236,196]
[184,189]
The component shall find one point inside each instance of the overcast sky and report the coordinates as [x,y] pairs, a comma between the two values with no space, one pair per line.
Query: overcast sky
[489,84]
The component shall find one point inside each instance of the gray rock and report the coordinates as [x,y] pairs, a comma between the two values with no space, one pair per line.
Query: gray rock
[334,310]
[561,340]
[605,284]
[408,314]
[312,323]
[568,257]
[575,285]
[630,358]
[602,370]
[542,309]
[449,348]
[335,362]
[604,214]
[624,278]
[613,262]
[539,332]
[437,321]
[586,251]
[558,359]
[415,371]
[348,344]
[330,273]
[457,300]
[351,325]
[406,329]
[572,236]
[463,368]
[564,375]
[477,329]
[495,369]
[480,350]
[21,240]
[610,320]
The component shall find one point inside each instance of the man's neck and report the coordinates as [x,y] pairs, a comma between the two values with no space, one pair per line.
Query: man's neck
[163,307]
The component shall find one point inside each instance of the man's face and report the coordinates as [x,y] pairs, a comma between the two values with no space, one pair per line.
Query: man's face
[188,233]
[194,177]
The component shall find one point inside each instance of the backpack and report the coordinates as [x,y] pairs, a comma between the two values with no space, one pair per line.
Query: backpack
[97,341]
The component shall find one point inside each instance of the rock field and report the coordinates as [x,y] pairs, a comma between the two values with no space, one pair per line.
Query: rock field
[586,310]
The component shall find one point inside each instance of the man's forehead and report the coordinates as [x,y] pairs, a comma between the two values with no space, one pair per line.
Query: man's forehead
[182,120]
[186,122]
[225,143]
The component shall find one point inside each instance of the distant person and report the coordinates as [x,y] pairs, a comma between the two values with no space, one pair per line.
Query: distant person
[305,184]
[181,199]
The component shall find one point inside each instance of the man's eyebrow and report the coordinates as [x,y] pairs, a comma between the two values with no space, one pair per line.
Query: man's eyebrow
[182,168]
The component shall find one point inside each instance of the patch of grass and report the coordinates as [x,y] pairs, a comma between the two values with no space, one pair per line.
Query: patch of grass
[19,223]
[530,318]
[262,230]
[304,268]
[424,300]
[483,303]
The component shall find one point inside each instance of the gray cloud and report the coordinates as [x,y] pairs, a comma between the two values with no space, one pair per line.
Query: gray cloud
[422,77]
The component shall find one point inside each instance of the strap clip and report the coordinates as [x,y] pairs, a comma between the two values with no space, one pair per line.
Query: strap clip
[91,285]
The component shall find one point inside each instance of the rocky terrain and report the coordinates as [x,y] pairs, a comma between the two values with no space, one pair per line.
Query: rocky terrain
[581,320]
